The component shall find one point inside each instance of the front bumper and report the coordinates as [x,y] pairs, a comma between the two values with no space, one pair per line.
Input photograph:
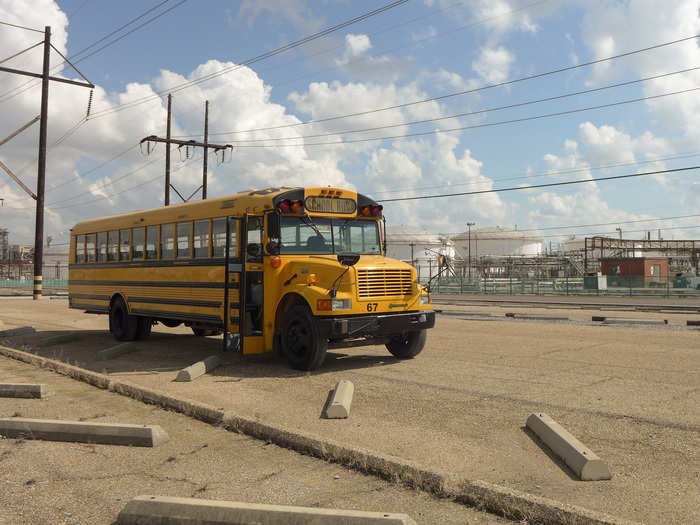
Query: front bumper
[375,325]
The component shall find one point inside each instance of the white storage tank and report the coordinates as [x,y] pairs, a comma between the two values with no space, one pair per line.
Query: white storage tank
[416,246]
[497,241]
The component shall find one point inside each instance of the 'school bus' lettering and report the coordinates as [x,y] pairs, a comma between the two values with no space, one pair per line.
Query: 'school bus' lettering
[292,269]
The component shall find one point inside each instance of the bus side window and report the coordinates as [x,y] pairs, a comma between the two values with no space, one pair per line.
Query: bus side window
[184,233]
[218,237]
[167,232]
[80,249]
[151,242]
[124,245]
[137,239]
[112,246]
[102,247]
[90,247]
[201,239]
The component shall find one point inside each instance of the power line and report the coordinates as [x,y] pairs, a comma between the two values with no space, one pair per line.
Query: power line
[571,226]
[546,173]
[410,44]
[474,126]
[14,92]
[132,30]
[477,112]
[547,185]
[139,17]
[279,50]
[20,27]
[465,92]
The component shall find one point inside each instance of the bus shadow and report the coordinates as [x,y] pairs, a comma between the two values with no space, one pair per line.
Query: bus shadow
[171,351]
[270,365]
[161,352]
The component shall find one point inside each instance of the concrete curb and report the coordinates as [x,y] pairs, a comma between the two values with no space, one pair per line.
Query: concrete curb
[81,432]
[494,498]
[581,459]
[23,390]
[193,511]
[199,368]
[636,321]
[115,351]
[338,406]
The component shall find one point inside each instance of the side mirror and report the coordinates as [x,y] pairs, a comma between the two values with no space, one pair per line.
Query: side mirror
[273,248]
[348,259]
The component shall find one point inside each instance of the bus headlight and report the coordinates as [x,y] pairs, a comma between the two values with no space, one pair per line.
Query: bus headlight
[424,300]
[341,304]
[333,304]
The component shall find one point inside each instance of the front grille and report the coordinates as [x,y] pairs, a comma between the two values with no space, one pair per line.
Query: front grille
[383,282]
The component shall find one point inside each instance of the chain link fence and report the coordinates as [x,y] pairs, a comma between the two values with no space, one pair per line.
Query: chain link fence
[17,278]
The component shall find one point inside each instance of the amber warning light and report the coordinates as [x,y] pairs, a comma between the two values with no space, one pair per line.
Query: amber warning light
[368,210]
[287,206]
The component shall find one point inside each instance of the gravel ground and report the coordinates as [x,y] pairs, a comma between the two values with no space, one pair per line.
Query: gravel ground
[44,482]
[629,393]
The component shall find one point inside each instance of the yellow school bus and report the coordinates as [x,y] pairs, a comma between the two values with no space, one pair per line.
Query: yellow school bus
[292,270]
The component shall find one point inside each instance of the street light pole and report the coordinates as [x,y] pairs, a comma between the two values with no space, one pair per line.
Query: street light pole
[469,249]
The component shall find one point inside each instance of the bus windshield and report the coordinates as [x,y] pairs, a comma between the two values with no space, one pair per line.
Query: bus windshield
[323,235]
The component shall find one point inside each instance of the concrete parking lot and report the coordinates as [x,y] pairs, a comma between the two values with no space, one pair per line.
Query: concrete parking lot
[629,393]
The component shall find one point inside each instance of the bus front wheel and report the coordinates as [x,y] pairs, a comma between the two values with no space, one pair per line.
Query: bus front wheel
[408,345]
[122,325]
[301,341]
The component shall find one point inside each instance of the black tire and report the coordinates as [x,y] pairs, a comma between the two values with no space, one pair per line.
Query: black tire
[300,339]
[408,345]
[122,325]
[143,327]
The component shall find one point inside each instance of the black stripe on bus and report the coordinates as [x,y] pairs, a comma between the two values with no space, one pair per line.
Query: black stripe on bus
[164,284]
[181,316]
[235,306]
[181,302]
[214,261]
[89,296]
[90,307]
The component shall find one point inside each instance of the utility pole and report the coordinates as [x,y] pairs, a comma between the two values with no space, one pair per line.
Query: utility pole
[469,249]
[41,179]
[167,152]
[41,168]
[206,145]
[206,148]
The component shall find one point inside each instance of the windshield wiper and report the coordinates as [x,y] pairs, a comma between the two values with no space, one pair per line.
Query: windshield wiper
[312,224]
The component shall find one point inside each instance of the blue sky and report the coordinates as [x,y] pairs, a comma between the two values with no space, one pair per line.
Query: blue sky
[419,50]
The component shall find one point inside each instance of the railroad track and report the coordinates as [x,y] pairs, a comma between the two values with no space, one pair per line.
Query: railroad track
[570,303]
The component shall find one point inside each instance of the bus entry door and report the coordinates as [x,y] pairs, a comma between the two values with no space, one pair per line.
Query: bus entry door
[232,293]
[244,286]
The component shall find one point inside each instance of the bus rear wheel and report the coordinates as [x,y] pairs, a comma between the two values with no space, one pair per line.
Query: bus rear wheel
[300,339]
[408,345]
[123,326]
